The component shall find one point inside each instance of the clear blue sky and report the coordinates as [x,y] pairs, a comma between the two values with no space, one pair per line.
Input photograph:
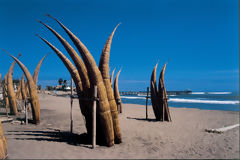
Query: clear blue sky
[200,37]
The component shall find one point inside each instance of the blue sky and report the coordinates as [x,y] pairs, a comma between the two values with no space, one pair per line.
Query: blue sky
[199,37]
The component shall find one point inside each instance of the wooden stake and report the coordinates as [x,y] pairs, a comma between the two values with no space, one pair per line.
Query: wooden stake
[26,112]
[147,103]
[6,110]
[163,101]
[71,118]
[94,118]
[120,105]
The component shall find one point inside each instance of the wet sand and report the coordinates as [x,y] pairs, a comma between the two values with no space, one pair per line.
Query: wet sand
[142,139]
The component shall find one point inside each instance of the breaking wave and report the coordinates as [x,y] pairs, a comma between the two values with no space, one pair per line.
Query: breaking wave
[130,97]
[198,93]
[183,100]
[219,92]
[211,93]
[201,101]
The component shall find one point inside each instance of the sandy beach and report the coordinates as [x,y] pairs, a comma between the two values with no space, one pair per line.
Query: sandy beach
[183,138]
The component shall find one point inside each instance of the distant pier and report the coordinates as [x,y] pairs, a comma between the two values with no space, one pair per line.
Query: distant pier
[145,93]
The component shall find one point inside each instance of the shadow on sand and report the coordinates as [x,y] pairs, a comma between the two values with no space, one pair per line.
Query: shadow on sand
[23,120]
[143,119]
[54,136]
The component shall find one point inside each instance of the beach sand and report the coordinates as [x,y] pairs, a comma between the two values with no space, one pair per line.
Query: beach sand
[184,137]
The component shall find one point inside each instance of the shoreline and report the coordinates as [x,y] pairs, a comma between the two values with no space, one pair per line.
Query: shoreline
[66,93]
[142,139]
[183,107]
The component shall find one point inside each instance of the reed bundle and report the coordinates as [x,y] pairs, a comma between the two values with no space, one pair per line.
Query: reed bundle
[32,87]
[159,96]
[23,88]
[10,89]
[5,92]
[18,93]
[28,89]
[3,144]
[37,69]
[111,78]
[86,75]
[104,68]
[116,93]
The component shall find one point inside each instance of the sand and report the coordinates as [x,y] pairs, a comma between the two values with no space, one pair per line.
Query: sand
[142,139]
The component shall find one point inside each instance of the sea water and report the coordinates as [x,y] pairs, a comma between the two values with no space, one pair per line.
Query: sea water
[227,101]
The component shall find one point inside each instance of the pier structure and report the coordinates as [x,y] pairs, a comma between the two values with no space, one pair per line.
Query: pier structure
[144,93]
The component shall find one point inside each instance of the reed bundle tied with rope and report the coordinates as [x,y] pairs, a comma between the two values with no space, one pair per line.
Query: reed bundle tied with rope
[159,96]
[27,90]
[32,87]
[86,75]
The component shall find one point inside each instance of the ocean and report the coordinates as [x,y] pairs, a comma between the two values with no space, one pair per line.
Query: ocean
[227,101]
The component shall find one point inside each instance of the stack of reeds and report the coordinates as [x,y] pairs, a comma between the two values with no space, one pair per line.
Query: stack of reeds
[5,93]
[3,144]
[159,96]
[27,90]
[116,93]
[86,74]
[10,89]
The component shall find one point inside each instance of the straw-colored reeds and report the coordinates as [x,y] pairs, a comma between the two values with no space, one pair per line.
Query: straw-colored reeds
[76,59]
[5,92]
[35,78]
[86,75]
[75,76]
[27,89]
[18,93]
[3,144]
[35,105]
[159,96]
[111,77]
[85,92]
[154,95]
[104,68]
[11,93]
[23,88]
[37,69]
[116,93]
[163,95]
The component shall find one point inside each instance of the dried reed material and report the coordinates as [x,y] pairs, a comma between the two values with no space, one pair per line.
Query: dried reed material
[111,78]
[18,93]
[76,59]
[104,68]
[154,94]
[116,92]
[27,89]
[37,69]
[5,92]
[95,79]
[23,88]
[10,89]
[77,80]
[3,143]
[163,95]
[32,91]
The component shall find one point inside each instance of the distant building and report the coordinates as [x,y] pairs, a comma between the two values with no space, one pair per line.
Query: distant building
[67,88]
[58,87]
